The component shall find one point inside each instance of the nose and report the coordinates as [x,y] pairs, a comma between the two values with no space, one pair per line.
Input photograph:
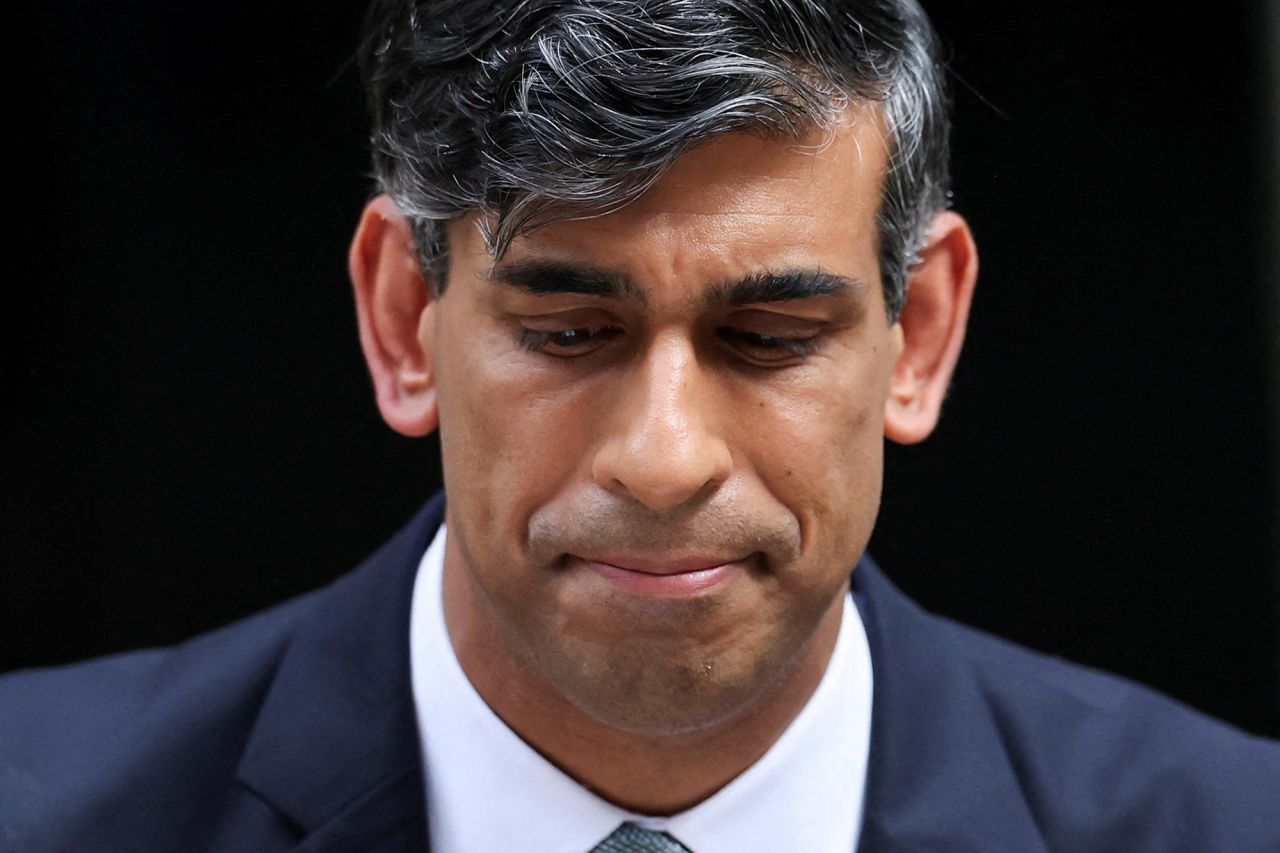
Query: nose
[664,446]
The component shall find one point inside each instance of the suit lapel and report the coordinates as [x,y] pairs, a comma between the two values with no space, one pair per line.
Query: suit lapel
[335,748]
[939,776]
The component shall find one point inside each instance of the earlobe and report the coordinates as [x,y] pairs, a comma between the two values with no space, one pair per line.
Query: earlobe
[932,328]
[395,311]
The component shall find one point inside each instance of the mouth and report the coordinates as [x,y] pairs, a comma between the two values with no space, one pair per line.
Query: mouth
[661,577]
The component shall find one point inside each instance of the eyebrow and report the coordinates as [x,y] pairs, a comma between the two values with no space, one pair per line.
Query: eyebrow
[769,286]
[540,278]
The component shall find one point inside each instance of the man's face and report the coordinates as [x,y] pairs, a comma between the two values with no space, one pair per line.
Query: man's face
[662,428]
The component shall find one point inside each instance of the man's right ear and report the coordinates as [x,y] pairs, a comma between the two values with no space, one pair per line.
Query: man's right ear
[396,312]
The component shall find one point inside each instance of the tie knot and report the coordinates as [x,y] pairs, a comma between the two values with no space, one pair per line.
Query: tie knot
[629,838]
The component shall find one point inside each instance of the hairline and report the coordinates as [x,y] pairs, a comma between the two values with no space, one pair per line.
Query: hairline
[435,270]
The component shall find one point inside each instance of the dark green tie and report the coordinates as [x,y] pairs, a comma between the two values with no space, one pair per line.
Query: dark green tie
[629,838]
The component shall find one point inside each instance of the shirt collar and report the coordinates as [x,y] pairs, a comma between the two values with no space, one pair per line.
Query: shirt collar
[486,787]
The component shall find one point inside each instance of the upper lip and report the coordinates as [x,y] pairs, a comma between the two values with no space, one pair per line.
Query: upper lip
[674,564]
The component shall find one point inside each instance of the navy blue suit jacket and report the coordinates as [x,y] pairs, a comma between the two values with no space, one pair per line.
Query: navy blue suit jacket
[295,730]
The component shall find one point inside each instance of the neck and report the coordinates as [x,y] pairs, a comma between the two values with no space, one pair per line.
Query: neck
[647,774]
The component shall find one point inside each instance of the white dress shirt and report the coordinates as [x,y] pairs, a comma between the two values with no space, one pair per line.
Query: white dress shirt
[487,790]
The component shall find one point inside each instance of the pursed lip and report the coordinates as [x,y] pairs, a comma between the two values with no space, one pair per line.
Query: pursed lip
[662,565]
[672,576]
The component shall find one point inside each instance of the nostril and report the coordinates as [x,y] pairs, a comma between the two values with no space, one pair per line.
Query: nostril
[663,475]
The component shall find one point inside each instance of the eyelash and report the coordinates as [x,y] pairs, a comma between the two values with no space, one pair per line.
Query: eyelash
[535,340]
[798,347]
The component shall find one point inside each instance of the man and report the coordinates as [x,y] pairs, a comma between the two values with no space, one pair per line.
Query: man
[662,274]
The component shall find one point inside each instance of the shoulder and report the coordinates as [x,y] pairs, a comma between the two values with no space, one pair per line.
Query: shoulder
[125,732]
[245,738]
[1074,713]
[1092,760]
[1099,754]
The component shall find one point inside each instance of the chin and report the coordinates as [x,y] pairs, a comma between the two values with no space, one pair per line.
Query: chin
[663,690]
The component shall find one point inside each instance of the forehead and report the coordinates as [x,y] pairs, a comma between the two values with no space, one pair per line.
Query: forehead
[734,206]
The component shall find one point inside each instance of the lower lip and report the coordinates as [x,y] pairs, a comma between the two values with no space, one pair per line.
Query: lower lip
[679,585]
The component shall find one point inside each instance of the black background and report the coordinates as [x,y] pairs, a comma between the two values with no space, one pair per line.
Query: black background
[190,433]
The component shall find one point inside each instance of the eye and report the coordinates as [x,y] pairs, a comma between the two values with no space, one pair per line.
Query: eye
[770,349]
[567,343]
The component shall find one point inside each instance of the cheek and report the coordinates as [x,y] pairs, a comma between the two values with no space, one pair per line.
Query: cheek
[510,441]
[819,450]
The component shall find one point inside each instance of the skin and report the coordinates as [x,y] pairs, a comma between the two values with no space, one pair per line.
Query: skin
[659,427]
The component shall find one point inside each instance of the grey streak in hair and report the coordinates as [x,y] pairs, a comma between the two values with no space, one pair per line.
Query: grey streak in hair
[540,110]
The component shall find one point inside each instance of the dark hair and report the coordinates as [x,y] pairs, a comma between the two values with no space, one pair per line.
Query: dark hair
[538,110]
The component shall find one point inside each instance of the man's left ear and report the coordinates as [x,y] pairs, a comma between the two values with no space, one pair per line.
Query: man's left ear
[939,293]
